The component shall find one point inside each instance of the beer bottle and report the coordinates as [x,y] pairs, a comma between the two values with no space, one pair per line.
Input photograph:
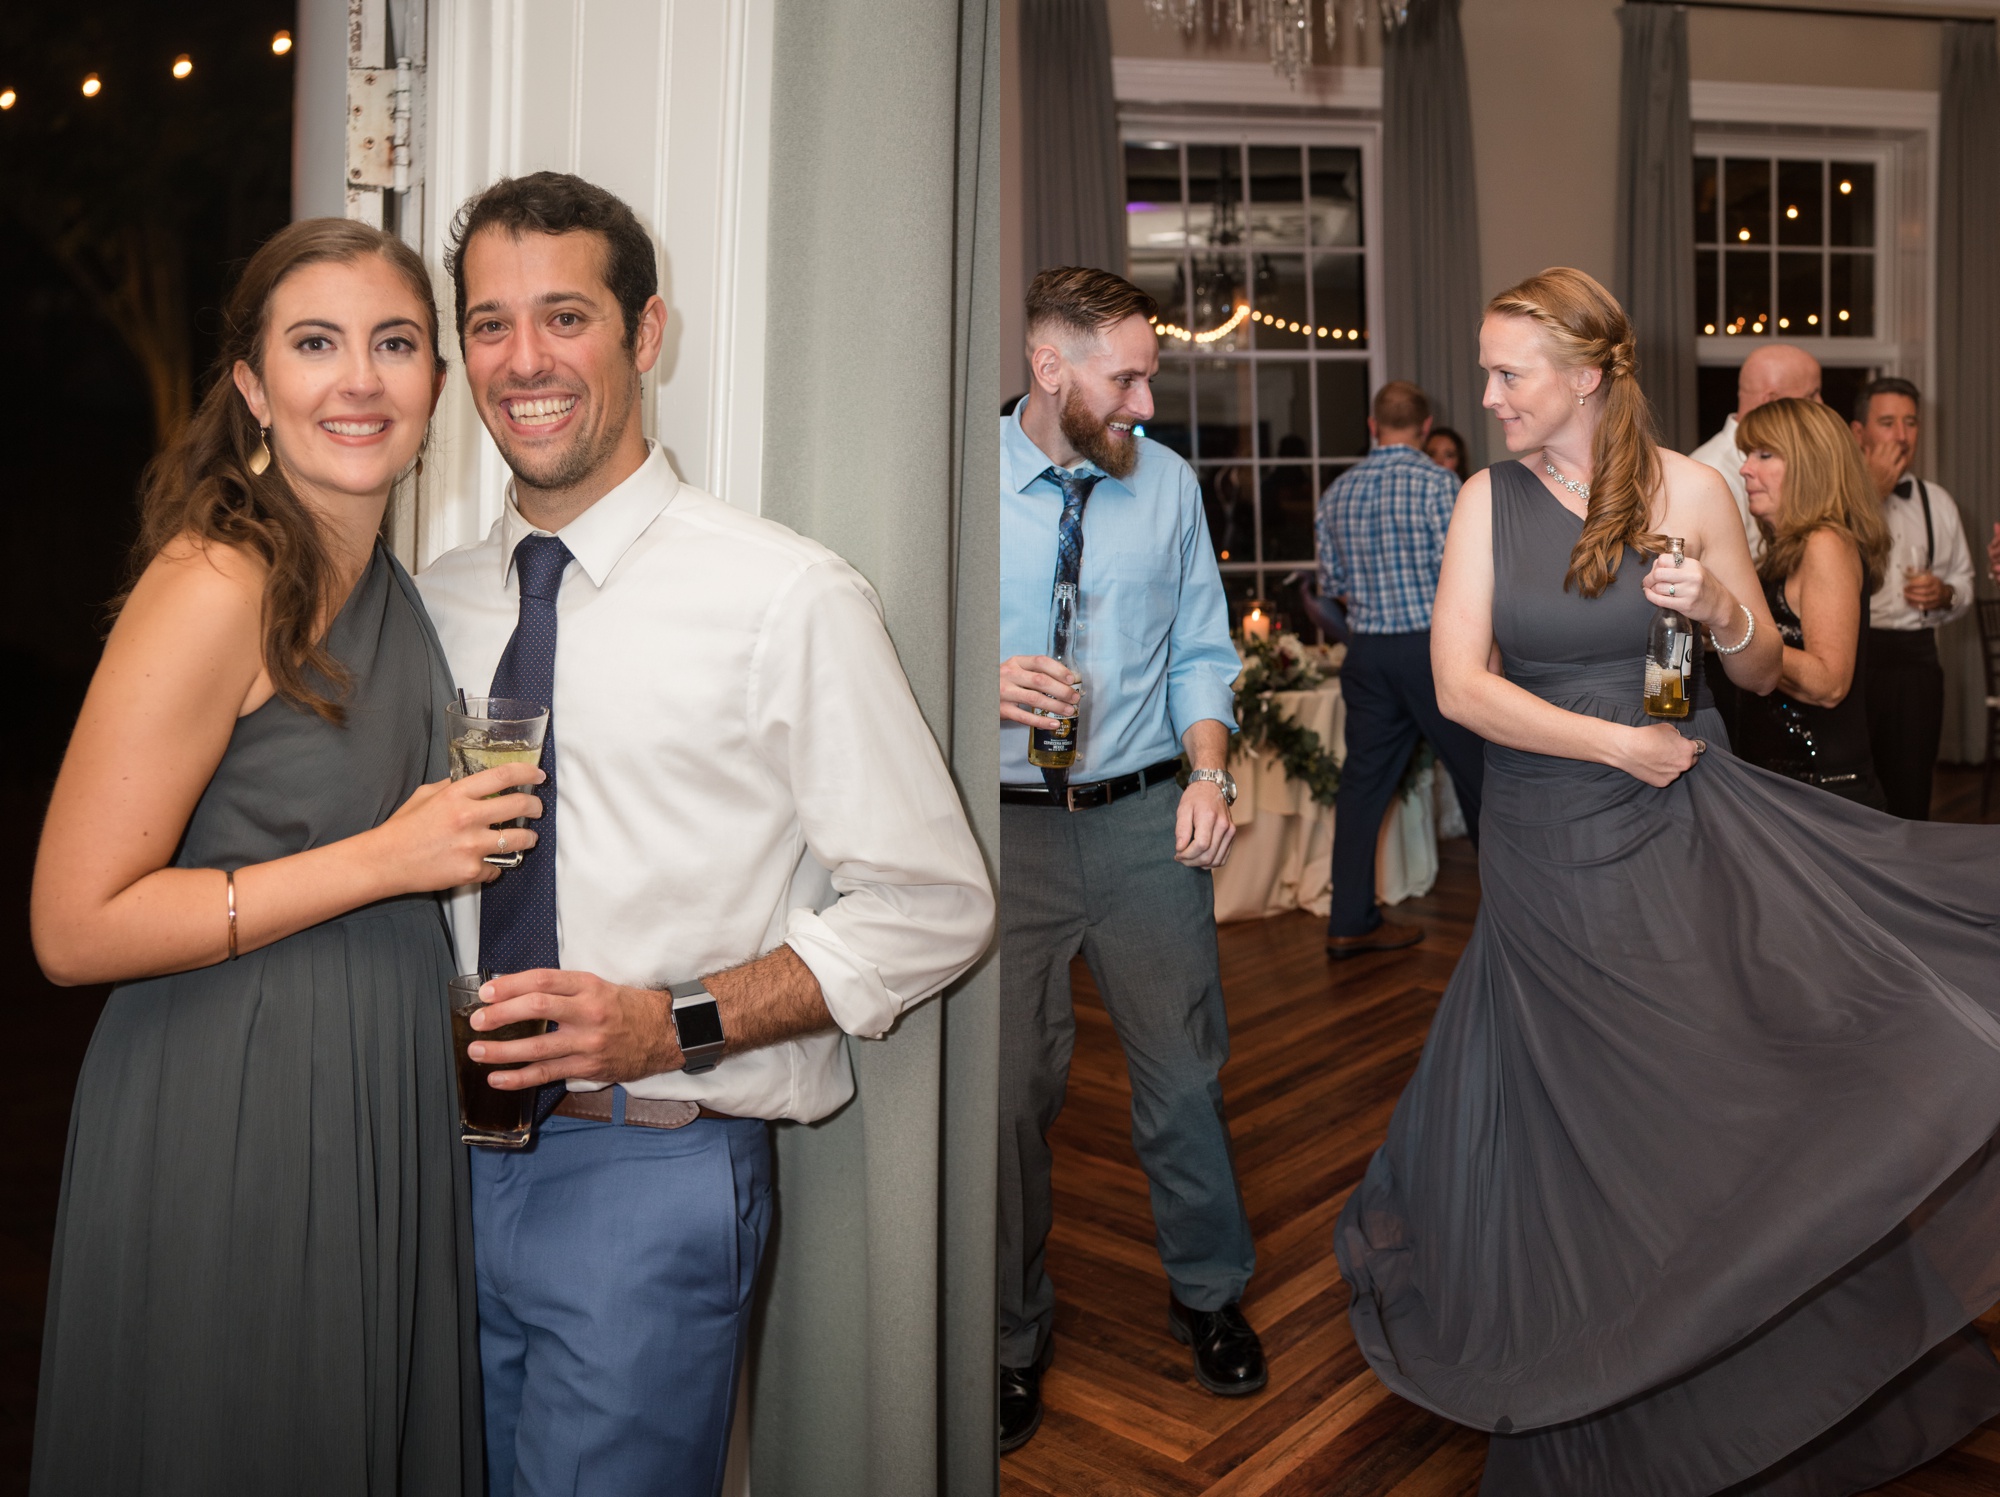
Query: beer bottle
[1054,745]
[1670,647]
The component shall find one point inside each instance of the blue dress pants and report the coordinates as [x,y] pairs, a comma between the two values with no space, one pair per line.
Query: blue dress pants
[616,1267]
[1391,699]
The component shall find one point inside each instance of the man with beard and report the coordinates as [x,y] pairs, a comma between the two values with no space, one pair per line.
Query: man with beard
[1109,857]
[731,870]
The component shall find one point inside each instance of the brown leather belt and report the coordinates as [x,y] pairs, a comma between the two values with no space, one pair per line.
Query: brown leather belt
[643,1112]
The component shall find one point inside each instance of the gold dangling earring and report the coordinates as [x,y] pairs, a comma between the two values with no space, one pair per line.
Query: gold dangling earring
[261,458]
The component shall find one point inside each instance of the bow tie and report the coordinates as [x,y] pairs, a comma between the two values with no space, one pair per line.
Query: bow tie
[1904,489]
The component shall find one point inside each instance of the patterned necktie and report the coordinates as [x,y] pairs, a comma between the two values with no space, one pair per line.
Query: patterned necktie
[1076,489]
[517,911]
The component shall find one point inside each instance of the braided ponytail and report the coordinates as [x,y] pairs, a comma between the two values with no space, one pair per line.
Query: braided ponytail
[1585,327]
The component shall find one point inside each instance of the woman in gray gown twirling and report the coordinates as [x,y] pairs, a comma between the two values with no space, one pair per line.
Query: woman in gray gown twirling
[1693,1189]
[263,1269]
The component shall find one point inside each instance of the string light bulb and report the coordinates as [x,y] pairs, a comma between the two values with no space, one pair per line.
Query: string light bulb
[1792,212]
[281,43]
[1708,327]
[1812,319]
[183,65]
[1846,187]
[7,98]
[1843,314]
[92,85]
[1743,234]
[1214,334]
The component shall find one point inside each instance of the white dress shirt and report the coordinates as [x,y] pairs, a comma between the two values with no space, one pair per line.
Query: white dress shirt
[740,763]
[1720,453]
[1951,560]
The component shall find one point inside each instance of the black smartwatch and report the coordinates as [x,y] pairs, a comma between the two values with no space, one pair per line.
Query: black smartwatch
[697,1026]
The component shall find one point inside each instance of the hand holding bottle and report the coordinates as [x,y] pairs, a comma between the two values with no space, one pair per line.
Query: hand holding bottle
[1681,585]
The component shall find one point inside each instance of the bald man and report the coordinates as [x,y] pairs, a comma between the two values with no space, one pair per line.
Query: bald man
[1772,372]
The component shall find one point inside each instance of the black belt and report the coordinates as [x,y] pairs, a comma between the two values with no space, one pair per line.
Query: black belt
[1096,793]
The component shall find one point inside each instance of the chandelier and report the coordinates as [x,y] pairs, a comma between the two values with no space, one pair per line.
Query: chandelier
[1285,24]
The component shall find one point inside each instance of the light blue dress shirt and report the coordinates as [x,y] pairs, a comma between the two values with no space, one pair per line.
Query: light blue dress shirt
[1154,648]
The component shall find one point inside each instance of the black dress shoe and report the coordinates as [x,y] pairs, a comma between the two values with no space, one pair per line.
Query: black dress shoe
[1021,1400]
[1228,1357]
[1389,935]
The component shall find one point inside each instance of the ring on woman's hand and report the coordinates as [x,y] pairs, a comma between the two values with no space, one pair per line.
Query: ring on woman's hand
[1670,591]
[1700,747]
[503,842]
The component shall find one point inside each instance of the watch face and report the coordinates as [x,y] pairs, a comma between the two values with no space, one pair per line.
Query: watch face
[698,1024]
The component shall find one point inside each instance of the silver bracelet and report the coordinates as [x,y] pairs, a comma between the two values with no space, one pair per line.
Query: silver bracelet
[1749,633]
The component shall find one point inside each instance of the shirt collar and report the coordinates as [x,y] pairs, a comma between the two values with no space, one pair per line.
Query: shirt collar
[1022,462]
[605,531]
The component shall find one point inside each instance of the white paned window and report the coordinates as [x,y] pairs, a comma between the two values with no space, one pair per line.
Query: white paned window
[1255,242]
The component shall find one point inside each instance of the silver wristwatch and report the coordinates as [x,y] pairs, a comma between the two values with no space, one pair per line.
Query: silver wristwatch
[1222,779]
[697,1026]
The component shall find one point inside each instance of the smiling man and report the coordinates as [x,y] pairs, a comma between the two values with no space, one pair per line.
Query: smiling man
[731,868]
[1109,857]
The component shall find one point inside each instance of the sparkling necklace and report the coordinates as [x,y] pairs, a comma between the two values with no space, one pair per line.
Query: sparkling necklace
[1581,490]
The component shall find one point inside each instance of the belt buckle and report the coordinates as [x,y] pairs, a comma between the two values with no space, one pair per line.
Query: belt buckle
[1069,798]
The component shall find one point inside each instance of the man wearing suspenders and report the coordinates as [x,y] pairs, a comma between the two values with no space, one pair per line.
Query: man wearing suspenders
[1927,583]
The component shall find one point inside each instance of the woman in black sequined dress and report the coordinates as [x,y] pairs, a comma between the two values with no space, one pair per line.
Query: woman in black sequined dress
[1824,548]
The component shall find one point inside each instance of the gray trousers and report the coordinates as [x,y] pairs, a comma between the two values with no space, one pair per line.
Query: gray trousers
[1104,882]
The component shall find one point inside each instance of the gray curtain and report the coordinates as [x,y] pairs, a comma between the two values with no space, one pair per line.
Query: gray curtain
[1964,409]
[1430,214]
[1655,268]
[1072,171]
[874,1366]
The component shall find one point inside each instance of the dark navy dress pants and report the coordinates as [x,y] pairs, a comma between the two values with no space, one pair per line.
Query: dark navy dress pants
[1391,700]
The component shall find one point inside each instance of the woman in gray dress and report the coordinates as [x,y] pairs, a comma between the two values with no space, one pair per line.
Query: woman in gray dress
[263,1273]
[1694,1188]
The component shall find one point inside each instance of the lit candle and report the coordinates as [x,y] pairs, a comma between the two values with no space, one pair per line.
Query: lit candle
[1256,624]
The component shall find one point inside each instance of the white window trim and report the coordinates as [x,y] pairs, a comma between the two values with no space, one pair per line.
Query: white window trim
[1179,81]
[1897,129]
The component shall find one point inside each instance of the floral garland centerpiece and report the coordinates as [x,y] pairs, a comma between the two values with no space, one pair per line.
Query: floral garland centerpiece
[1272,665]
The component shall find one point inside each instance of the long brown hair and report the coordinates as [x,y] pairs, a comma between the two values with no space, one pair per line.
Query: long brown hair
[1826,487]
[201,486]
[1584,327]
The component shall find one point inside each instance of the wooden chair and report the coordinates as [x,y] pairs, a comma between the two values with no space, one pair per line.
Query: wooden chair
[1989,647]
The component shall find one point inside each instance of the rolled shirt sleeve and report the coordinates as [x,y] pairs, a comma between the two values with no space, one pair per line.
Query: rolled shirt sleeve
[1202,665]
[833,716]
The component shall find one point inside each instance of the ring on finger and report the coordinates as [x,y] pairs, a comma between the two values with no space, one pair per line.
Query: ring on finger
[503,842]
[1670,591]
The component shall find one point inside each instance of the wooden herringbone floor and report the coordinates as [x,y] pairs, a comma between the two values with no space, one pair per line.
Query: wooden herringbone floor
[1319,1054]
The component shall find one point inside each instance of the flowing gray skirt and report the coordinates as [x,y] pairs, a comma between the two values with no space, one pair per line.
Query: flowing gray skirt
[263,1276]
[1695,1183]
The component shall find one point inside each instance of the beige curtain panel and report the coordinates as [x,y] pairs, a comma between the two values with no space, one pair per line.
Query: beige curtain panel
[1430,259]
[1964,409]
[1655,250]
[1072,169]
[873,1371]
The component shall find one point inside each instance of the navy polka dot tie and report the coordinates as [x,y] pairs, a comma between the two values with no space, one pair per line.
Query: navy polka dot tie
[517,912]
[1076,489]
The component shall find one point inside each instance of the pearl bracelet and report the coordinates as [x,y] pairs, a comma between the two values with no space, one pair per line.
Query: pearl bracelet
[1749,633]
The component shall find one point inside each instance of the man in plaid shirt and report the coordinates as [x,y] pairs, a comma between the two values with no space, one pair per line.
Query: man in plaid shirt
[1381,528]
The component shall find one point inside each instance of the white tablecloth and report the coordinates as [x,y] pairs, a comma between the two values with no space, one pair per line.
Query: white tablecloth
[1282,856]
